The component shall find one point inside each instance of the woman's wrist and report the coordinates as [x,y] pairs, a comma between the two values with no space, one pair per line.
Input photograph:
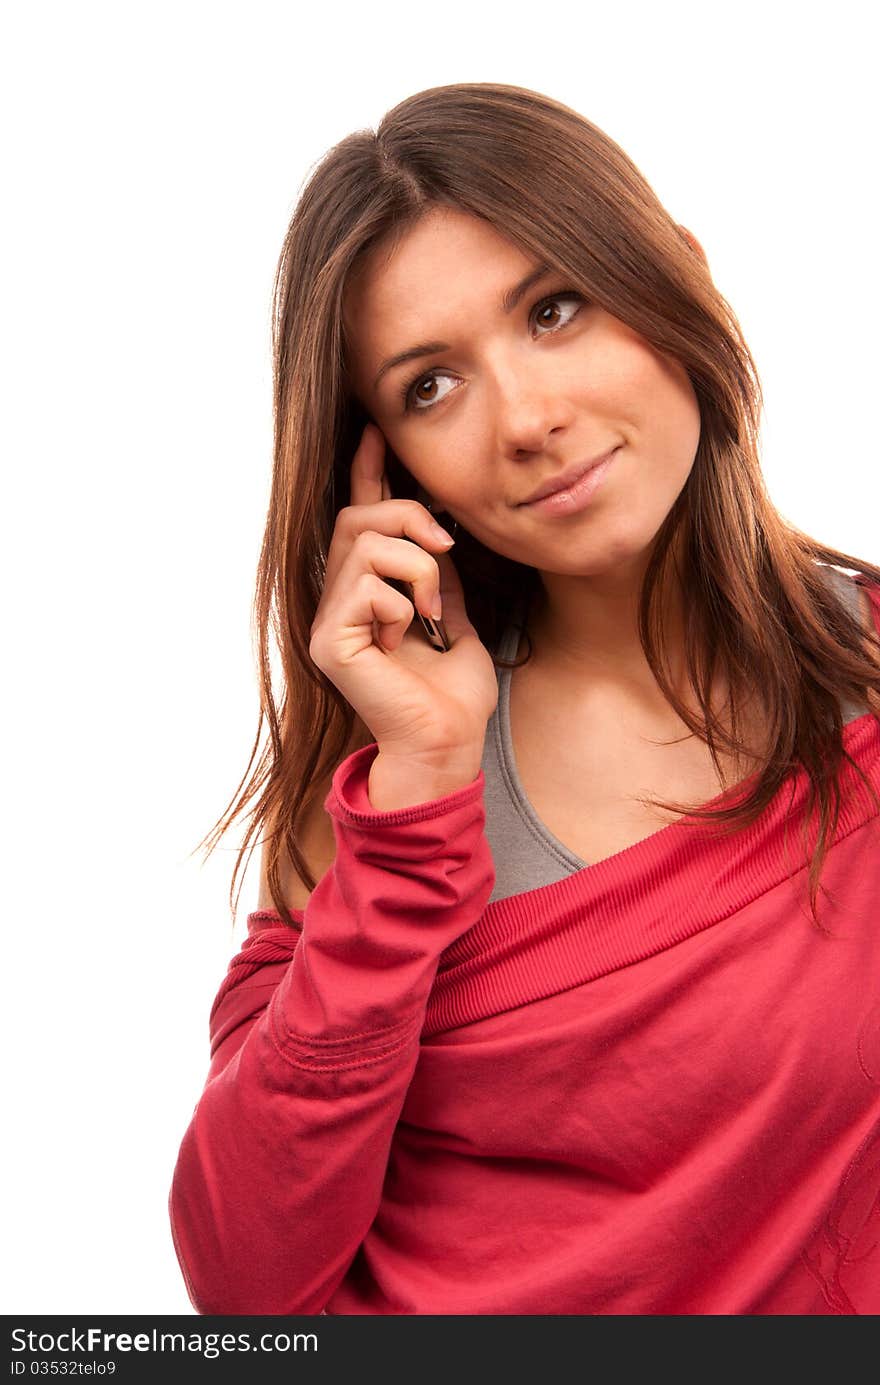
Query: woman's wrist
[399,781]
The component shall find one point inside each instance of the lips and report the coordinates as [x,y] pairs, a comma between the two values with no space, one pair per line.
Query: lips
[565,478]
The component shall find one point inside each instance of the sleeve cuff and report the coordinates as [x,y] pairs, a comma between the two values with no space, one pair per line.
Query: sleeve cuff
[349,801]
[260,920]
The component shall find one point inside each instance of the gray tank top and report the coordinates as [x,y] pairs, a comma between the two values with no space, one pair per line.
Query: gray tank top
[525,852]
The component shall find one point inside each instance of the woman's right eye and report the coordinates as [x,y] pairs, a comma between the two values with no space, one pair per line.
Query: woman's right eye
[414,401]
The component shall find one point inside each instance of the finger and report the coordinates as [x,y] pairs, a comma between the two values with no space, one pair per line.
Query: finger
[383,557]
[368,467]
[371,610]
[392,518]
[385,611]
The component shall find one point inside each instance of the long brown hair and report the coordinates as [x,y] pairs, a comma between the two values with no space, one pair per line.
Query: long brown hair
[757,606]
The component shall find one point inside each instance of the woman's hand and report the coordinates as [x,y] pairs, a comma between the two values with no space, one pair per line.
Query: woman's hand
[426,709]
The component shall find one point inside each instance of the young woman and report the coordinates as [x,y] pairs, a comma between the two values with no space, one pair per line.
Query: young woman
[540,1011]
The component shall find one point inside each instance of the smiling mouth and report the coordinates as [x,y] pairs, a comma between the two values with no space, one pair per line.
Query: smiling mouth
[567,478]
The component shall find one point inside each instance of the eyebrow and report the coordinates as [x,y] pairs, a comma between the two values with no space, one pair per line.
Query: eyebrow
[431,348]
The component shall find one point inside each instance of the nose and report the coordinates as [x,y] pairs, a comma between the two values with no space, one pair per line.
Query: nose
[529,406]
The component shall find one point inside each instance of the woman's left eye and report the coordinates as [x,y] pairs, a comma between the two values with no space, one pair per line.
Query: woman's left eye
[551,305]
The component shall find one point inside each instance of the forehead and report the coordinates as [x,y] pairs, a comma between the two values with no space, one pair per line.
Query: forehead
[424,280]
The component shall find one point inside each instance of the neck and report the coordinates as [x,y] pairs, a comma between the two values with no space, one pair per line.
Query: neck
[586,627]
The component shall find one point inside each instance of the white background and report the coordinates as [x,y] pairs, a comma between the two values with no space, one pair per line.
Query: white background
[153,155]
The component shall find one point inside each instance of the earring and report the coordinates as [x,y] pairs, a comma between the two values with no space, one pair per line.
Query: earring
[429,506]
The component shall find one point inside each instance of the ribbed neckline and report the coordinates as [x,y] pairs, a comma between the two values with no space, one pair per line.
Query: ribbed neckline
[682,879]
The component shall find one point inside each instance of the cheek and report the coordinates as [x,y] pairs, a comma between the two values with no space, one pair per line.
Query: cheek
[671,413]
[448,462]
[652,393]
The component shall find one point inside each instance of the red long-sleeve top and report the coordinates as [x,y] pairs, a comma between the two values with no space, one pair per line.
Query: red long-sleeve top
[652,1087]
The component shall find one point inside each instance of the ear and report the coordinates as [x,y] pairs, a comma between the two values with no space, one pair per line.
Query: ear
[694,243]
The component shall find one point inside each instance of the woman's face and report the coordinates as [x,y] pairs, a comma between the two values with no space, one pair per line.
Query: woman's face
[503,401]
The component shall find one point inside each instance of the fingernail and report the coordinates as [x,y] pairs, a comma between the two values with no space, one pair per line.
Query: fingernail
[436,606]
[442,535]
